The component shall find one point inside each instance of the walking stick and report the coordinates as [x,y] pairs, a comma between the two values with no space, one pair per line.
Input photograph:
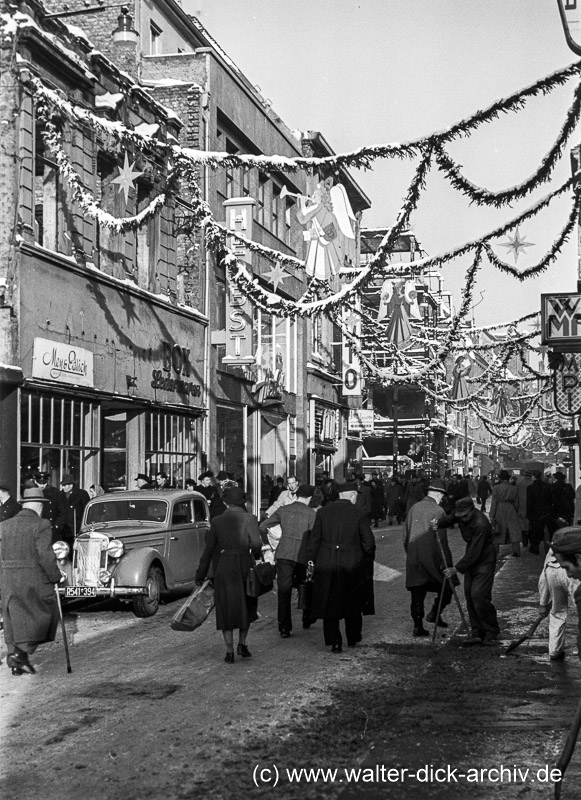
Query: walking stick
[450,582]
[565,756]
[440,598]
[513,645]
[66,644]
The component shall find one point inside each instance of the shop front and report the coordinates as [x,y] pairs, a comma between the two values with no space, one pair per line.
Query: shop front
[112,382]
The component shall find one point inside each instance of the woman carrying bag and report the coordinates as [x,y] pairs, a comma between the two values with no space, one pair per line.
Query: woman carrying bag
[232,544]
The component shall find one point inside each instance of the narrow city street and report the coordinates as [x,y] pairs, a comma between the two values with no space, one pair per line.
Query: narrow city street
[150,712]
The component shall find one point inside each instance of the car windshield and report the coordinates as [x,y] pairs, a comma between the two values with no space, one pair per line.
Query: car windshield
[122,510]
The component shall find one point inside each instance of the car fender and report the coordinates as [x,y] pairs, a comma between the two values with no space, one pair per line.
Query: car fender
[133,567]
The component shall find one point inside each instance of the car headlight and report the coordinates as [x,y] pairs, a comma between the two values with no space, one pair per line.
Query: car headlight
[115,548]
[61,550]
[104,576]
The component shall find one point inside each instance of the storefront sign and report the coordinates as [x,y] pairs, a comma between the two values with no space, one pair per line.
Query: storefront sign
[561,321]
[351,364]
[56,361]
[567,382]
[176,368]
[238,307]
[361,419]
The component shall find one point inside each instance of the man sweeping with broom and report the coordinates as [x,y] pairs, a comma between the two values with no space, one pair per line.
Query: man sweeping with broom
[477,565]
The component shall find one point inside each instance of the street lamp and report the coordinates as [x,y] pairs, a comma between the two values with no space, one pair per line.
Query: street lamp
[570,12]
[124,33]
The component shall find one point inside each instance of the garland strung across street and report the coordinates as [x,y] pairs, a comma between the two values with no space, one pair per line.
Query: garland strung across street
[54,112]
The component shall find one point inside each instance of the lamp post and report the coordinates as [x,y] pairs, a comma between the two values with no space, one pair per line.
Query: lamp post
[124,33]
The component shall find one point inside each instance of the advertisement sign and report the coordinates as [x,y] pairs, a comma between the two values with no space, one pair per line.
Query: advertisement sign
[56,361]
[238,307]
[361,419]
[567,383]
[561,321]
[351,366]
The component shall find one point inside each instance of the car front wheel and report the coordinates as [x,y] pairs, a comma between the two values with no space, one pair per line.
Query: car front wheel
[146,605]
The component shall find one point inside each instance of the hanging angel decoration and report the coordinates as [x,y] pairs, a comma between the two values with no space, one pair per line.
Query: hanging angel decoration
[461,370]
[398,300]
[330,223]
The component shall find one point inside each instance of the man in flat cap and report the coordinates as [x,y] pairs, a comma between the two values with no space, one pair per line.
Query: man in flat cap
[477,565]
[342,548]
[566,546]
[296,521]
[424,566]
[28,570]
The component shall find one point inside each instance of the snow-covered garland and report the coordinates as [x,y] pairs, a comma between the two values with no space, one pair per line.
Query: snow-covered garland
[79,194]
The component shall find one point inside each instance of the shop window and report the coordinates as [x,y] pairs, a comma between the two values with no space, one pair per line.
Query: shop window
[171,445]
[230,441]
[59,435]
[274,451]
[114,451]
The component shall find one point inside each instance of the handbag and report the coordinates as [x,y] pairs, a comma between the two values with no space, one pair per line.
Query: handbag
[195,610]
[305,589]
[260,579]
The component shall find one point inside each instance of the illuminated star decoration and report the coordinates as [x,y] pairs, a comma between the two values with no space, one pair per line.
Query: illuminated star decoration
[276,275]
[516,244]
[126,177]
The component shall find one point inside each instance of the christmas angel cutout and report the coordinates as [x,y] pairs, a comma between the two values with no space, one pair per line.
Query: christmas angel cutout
[398,300]
[461,370]
[330,224]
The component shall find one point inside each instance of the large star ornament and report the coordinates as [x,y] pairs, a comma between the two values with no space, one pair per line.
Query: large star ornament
[276,275]
[516,244]
[126,177]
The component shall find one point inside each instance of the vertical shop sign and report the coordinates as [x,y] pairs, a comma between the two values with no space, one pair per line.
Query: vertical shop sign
[350,360]
[238,308]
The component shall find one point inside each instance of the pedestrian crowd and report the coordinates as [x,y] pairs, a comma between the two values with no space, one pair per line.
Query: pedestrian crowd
[325,531]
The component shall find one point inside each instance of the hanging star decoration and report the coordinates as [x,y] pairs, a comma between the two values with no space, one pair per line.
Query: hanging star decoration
[126,177]
[516,244]
[276,275]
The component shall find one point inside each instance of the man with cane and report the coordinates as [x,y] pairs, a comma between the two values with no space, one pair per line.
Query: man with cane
[424,562]
[478,566]
[28,570]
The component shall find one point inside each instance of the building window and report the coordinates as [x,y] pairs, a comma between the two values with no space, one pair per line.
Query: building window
[276,210]
[275,343]
[114,466]
[261,199]
[59,435]
[47,192]
[171,445]
[317,335]
[154,39]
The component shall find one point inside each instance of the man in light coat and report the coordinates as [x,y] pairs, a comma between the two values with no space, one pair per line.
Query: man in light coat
[28,572]
[566,546]
[424,563]
[296,521]
[286,497]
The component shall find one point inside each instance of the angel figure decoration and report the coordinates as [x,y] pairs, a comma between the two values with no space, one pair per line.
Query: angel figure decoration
[330,224]
[398,301]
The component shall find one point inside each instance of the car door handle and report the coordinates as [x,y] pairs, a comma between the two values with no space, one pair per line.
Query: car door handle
[173,538]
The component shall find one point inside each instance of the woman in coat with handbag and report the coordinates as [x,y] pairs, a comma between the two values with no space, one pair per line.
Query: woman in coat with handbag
[232,544]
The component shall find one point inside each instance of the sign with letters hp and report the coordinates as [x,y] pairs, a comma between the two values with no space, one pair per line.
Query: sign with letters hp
[561,321]
[567,382]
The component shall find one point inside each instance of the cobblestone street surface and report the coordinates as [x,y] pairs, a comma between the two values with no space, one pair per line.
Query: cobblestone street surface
[149,712]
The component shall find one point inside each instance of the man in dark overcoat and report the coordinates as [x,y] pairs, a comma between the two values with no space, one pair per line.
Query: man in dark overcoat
[424,563]
[72,501]
[539,511]
[50,509]
[28,570]
[477,565]
[342,549]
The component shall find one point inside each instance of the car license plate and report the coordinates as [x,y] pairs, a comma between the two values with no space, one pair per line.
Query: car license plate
[80,591]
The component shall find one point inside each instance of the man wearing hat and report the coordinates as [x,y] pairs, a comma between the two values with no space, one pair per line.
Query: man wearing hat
[342,548]
[9,507]
[566,546]
[28,570]
[72,501]
[424,567]
[52,494]
[142,481]
[296,521]
[477,565]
